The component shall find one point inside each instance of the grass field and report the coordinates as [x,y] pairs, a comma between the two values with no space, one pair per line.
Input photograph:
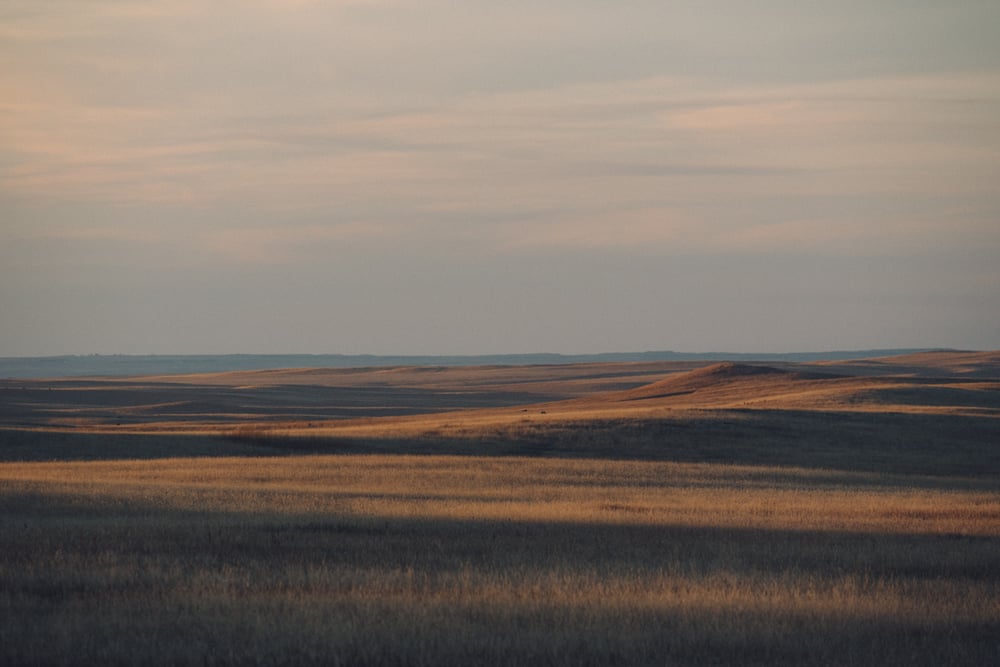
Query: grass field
[626,528]
[456,560]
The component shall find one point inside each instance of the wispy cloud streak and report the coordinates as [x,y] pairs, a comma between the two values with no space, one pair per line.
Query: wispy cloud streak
[299,134]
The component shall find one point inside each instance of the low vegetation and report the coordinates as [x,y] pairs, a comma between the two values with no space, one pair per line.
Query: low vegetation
[628,514]
[461,560]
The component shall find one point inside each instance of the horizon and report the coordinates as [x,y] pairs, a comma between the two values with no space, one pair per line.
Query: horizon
[542,353]
[374,176]
[165,364]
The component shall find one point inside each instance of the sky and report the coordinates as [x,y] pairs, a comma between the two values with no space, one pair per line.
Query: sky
[471,177]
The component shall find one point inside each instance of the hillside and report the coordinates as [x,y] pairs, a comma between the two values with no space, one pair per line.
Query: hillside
[944,407]
[119,365]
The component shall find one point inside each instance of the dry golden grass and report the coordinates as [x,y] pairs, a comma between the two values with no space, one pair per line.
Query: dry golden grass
[362,402]
[459,560]
[649,516]
[576,491]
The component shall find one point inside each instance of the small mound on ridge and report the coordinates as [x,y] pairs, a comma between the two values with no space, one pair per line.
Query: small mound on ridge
[714,376]
[729,369]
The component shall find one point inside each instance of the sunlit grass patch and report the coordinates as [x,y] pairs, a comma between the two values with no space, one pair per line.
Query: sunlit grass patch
[459,560]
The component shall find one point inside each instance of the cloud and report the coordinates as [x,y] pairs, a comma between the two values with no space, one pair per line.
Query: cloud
[390,160]
[652,229]
[287,243]
[742,117]
[194,119]
[663,125]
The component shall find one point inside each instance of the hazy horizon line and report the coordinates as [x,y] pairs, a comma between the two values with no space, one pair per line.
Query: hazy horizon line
[459,355]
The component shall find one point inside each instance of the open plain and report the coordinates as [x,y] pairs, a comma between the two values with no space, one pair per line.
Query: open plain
[621,513]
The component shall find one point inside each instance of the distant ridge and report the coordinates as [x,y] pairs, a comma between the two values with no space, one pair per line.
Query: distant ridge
[729,369]
[156,364]
[708,377]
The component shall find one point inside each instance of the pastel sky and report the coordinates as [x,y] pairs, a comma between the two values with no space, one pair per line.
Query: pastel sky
[445,177]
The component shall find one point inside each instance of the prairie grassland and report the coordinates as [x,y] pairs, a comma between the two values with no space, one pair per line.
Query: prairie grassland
[437,560]
[907,443]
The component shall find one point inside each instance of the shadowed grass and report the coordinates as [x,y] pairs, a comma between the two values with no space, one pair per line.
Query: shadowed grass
[759,516]
[452,561]
[922,444]
[930,444]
